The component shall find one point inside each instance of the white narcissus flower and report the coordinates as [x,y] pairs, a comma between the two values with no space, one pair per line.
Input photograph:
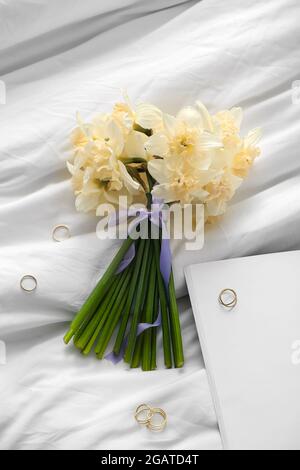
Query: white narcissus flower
[98,172]
[239,153]
[103,147]
[183,135]
[186,149]
[179,182]
[247,153]
[220,191]
[203,158]
[91,191]
[144,115]
[194,157]
[80,135]
[107,132]
[87,192]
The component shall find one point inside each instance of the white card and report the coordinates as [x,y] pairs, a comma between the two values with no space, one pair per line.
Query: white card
[252,352]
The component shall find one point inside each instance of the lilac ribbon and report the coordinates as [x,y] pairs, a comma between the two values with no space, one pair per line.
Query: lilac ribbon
[116,358]
[128,258]
[157,217]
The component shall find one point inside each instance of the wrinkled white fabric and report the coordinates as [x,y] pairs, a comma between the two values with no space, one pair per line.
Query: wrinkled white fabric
[60,57]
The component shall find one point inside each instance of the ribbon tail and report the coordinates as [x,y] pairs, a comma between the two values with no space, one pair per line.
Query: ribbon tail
[145,326]
[128,258]
[116,358]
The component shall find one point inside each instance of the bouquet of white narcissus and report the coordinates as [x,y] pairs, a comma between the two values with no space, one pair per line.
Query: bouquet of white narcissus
[145,155]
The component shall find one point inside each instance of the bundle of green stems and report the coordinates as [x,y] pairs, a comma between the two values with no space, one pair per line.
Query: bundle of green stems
[121,301]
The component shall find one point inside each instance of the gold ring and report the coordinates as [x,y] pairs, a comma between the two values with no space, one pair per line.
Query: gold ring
[230,303]
[141,410]
[25,278]
[157,426]
[63,228]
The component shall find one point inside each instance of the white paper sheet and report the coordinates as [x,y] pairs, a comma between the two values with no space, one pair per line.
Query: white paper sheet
[251,350]
[60,57]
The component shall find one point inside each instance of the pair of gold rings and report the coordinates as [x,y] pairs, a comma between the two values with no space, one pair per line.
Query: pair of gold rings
[154,418]
[228,298]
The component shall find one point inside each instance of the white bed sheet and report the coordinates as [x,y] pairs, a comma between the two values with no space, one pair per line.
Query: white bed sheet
[59,57]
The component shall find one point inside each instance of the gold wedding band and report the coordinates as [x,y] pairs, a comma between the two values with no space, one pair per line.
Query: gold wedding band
[229,303]
[63,229]
[31,279]
[157,426]
[143,414]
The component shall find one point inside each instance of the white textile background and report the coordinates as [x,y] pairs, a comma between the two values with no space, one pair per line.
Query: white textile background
[59,57]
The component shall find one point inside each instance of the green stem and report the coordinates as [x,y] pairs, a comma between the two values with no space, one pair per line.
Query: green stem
[99,319]
[131,294]
[129,161]
[175,326]
[141,287]
[154,330]
[91,304]
[134,173]
[114,317]
[98,314]
[151,182]
[164,309]
[136,359]
[148,315]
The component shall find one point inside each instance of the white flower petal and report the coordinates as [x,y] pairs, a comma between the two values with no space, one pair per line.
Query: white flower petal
[216,207]
[88,175]
[191,117]
[202,162]
[77,182]
[237,114]
[164,192]
[87,202]
[157,145]
[131,185]
[135,145]
[126,98]
[210,141]
[157,170]
[170,124]
[71,168]
[114,133]
[99,126]
[235,182]
[253,137]
[118,198]
[78,138]
[206,117]
[205,177]
[148,116]
[200,194]
[80,159]
[85,128]
[80,121]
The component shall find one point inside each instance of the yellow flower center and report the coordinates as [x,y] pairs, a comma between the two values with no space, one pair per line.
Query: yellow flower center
[229,129]
[220,189]
[244,160]
[184,142]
